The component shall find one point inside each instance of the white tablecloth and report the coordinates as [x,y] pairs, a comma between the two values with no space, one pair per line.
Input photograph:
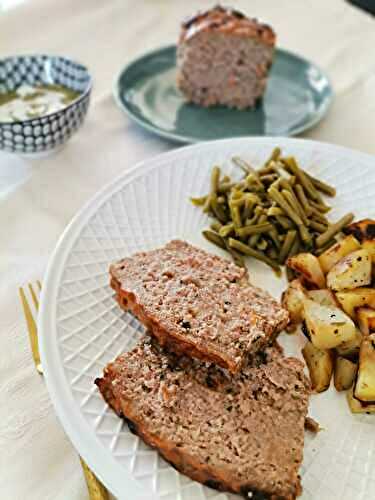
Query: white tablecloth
[39,197]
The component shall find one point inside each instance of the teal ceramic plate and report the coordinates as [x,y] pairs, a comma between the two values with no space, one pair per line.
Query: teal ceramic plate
[297,97]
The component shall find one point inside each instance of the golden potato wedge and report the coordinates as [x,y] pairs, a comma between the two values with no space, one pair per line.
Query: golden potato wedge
[292,299]
[323,297]
[364,389]
[351,300]
[362,230]
[342,248]
[350,348]
[369,245]
[366,320]
[308,267]
[357,406]
[351,271]
[328,326]
[320,365]
[344,373]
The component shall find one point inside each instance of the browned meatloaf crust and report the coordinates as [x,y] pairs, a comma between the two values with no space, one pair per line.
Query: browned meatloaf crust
[242,433]
[197,303]
[223,57]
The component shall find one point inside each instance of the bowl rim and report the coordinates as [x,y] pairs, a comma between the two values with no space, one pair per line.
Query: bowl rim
[79,98]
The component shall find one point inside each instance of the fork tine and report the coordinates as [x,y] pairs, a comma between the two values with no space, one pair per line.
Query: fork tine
[39,285]
[34,297]
[33,332]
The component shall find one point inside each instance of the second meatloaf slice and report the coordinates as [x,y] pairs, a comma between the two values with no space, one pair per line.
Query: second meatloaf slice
[197,303]
[242,433]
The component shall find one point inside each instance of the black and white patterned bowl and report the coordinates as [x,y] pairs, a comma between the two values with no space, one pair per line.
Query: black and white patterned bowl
[45,133]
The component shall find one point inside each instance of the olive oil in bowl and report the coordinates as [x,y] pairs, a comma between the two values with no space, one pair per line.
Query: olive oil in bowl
[29,101]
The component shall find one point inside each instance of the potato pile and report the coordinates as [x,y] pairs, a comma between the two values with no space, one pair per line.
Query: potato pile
[333,299]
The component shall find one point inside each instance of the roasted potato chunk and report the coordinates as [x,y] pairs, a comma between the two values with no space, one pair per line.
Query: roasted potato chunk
[320,365]
[323,297]
[328,326]
[364,389]
[344,373]
[342,248]
[354,299]
[292,299]
[350,272]
[350,348]
[366,320]
[358,406]
[369,245]
[308,267]
[362,230]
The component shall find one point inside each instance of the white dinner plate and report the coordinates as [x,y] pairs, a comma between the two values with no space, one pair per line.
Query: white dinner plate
[82,328]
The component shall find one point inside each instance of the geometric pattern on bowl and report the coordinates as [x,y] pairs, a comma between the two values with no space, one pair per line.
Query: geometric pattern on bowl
[82,328]
[49,131]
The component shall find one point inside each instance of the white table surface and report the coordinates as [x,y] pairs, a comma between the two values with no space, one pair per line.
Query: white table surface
[39,197]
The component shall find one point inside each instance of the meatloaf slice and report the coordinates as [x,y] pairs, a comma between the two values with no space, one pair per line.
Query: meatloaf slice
[242,433]
[197,303]
[223,57]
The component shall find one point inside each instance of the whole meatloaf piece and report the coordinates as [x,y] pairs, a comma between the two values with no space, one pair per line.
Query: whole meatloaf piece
[197,303]
[223,57]
[242,433]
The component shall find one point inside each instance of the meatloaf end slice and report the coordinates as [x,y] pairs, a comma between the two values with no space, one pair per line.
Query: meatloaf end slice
[224,57]
[197,303]
[241,433]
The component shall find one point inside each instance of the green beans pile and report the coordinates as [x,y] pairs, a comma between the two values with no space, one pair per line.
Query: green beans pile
[271,213]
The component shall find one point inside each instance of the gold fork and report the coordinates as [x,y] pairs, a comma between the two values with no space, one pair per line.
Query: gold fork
[97,490]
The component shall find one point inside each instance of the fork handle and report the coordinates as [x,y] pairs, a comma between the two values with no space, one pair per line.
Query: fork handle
[97,491]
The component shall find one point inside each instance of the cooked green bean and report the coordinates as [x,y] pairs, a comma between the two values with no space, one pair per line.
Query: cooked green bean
[215,178]
[319,216]
[294,203]
[254,229]
[275,155]
[294,169]
[278,198]
[273,211]
[199,202]
[284,221]
[207,204]
[253,240]
[225,187]
[226,230]
[214,238]
[242,164]
[253,181]
[322,186]
[262,244]
[246,250]
[334,229]
[236,256]
[321,228]
[325,247]
[295,248]
[269,169]
[253,220]
[236,215]
[322,207]
[218,209]
[216,226]
[273,234]
[287,245]
[300,193]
